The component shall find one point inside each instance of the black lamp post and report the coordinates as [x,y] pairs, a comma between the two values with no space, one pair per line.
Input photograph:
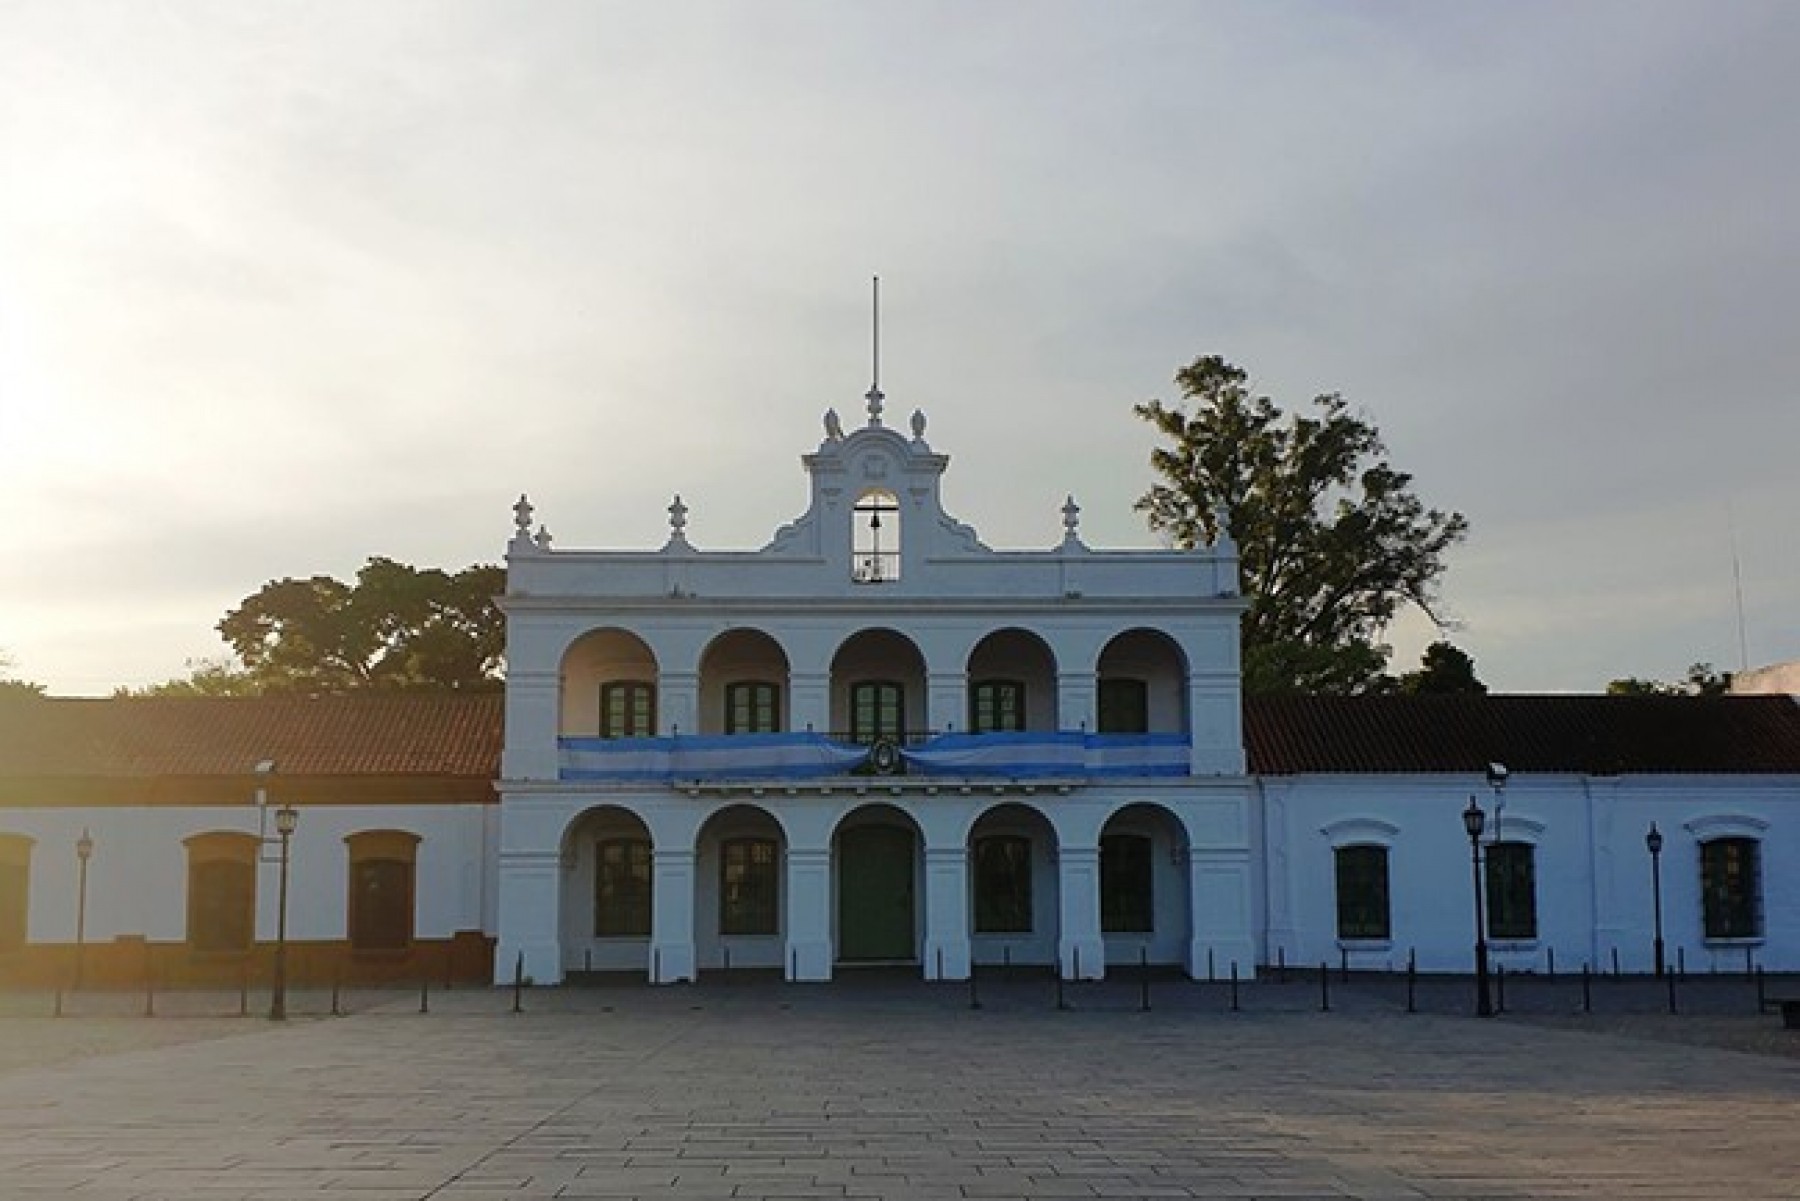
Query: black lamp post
[286,818]
[1473,821]
[84,850]
[1654,842]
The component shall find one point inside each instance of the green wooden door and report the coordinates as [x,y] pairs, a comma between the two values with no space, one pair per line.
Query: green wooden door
[875,893]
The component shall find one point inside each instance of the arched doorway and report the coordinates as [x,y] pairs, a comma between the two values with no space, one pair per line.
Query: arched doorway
[875,853]
[1144,905]
[607,872]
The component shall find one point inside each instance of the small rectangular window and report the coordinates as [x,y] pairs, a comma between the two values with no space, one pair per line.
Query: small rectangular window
[1512,890]
[749,887]
[221,905]
[1127,902]
[1731,887]
[381,904]
[1362,892]
[996,706]
[622,888]
[1124,706]
[627,709]
[752,707]
[877,711]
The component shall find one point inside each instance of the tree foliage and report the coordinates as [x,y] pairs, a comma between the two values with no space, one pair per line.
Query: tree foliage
[14,689]
[1702,680]
[1331,539]
[394,627]
[1443,669]
[206,677]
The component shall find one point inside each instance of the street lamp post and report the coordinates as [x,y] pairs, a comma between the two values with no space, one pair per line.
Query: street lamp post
[1654,842]
[286,818]
[84,850]
[1473,821]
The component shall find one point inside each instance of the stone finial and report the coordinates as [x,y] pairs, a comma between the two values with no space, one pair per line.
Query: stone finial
[1221,523]
[1071,518]
[678,520]
[834,429]
[521,539]
[874,397]
[918,425]
[542,539]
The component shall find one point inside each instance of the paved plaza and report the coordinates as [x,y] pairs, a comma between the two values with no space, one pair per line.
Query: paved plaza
[766,1092]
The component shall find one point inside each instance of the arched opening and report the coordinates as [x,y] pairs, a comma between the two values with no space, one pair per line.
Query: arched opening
[877,688]
[1012,683]
[1144,892]
[878,882]
[875,538]
[221,892]
[1014,894]
[743,684]
[1142,685]
[607,876]
[740,910]
[609,687]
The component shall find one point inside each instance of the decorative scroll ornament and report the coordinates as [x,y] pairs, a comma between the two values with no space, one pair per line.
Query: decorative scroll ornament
[918,425]
[834,429]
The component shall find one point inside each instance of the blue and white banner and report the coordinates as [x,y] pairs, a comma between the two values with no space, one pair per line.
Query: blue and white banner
[808,756]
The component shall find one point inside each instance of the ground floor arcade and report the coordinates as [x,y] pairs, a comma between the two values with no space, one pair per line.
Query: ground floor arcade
[674,883]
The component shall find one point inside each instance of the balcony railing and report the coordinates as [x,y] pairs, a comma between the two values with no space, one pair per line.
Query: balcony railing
[1064,755]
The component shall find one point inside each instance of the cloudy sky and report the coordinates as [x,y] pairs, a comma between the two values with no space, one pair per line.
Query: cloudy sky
[283,286]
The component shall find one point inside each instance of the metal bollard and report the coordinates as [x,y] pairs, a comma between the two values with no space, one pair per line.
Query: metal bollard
[1587,990]
[656,965]
[587,960]
[149,993]
[1671,979]
[1615,959]
[974,989]
[1281,965]
[940,965]
[424,996]
[1762,991]
[57,1012]
[1210,975]
[1324,987]
[519,983]
[337,986]
[1681,962]
[1749,961]
[1500,988]
[1551,953]
[1343,965]
[1412,981]
[244,991]
[1143,979]
[794,964]
[1234,987]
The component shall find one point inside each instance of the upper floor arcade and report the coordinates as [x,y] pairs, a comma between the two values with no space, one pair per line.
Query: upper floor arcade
[874,619]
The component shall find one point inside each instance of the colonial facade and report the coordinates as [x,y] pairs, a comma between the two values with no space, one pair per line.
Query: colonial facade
[877,740]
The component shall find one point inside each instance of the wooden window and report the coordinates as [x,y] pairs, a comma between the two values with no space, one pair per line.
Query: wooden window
[1003,884]
[749,886]
[877,711]
[1512,890]
[1127,900]
[627,709]
[622,888]
[996,706]
[221,892]
[1731,887]
[1362,892]
[383,877]
[1124,706]
[15,890]
[752,707]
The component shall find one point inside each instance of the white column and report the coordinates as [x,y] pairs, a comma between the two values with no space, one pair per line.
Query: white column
[533,715]
[1080,950]
[946,701]
[1075,701]
[1219,887]
[809,701]
[678,702]
[530,888]
[808,914]
[1215,725]
[672,924]
[947,913]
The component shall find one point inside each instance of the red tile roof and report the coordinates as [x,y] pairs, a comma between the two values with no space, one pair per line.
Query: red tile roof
[392,734]
[1592,735]
[461,735]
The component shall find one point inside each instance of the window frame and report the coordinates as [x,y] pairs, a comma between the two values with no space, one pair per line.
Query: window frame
[991,700]
[1731,910]
[861,732]
[1127,905]
[394,928]
[756,862]
[755,696]
[221,884]
[628,709]
[618,917]
[1363,892]
[1509,876]
[1003,885]
[1122,697]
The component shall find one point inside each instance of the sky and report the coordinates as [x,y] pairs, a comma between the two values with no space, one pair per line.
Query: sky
[286,286]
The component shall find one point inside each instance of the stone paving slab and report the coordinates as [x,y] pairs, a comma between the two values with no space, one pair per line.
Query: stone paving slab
[836,1093]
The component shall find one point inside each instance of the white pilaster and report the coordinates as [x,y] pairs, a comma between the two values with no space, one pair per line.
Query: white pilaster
[809,701]
[1080,950]
[1075,701]
[808,914]
[1220,897]
[947,912]
[672,926]
[947,700]
[530,884]
[533,702]
[678,702]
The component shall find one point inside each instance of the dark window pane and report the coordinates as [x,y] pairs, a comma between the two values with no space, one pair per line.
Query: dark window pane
[627,709]
[381,904]
[752,707]
[1124,707]
[221,905]
[622,889]
[1362,892]
[996,706]
[1731,888]
[876,711]
[1126,899]
[749,889]
[1511,890]
[1003,884]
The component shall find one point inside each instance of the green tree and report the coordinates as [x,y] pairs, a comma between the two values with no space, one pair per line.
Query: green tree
[394,627]
[206,677]
[1702,680]
[14,689]
[1332,541]
[1443,668]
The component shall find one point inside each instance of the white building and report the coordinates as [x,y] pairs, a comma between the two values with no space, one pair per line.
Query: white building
[877,740]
